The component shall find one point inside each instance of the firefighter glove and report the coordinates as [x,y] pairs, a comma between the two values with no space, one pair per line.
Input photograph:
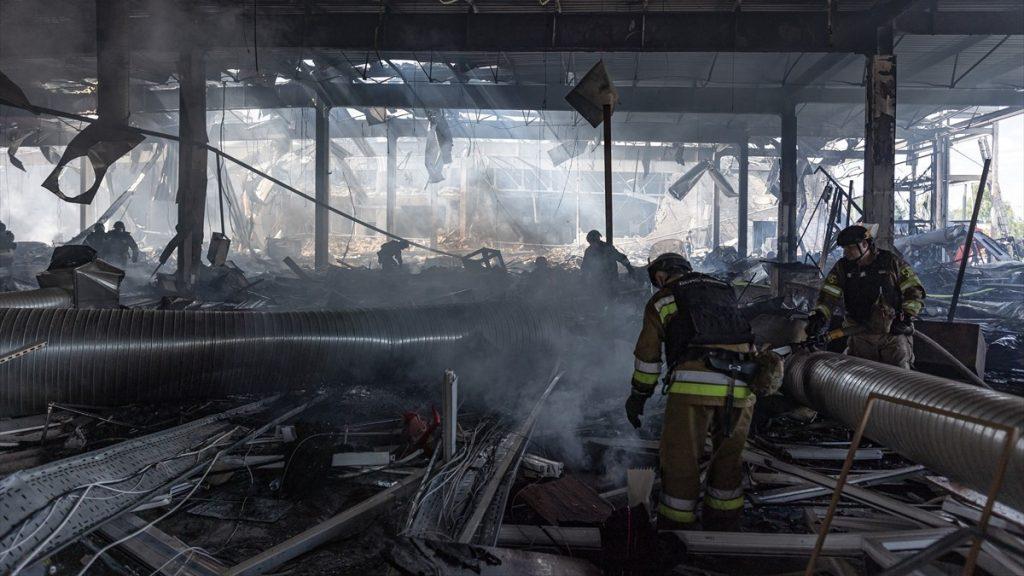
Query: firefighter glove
[902,326]
[816,324]
[635,408]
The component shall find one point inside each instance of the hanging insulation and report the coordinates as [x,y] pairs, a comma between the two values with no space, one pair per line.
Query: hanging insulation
[840,385]
[114,357]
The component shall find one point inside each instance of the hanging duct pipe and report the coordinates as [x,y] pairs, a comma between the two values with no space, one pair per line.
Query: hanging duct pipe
[116,357]
[840,385]
[38,298]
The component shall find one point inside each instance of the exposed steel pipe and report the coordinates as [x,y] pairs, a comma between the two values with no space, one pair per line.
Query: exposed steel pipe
[38,298]
[840,385]
[116,357]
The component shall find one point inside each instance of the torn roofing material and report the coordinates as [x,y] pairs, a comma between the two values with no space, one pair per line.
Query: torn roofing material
[104,144]
[11,94]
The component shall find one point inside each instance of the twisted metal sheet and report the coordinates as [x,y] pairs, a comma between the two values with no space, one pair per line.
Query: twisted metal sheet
[114,357]
[38,298]
[840,385]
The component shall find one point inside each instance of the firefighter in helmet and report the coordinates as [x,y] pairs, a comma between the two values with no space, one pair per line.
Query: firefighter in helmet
[708,355]
[119,246]
[600,265]
[881,295]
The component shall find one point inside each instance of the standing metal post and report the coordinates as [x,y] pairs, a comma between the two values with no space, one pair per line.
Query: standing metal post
[433,213]
[716,207]
[463,197]
[113,60]
[880,146]
[191,165]
[912,196]
[322,170]
[940,182]
[969,241]
[608,173]
[450,418]
[787,239]
[742,215]
[392,179]
[849,204]
[83,209]
[113,63]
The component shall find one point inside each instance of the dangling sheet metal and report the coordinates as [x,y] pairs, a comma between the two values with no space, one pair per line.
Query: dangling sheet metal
[103,144]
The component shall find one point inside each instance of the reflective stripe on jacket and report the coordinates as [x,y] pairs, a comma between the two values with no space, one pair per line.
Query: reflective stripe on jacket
[691,378]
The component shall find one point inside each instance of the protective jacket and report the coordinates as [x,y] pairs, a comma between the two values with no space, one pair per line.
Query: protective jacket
[600,262]
[390,255]
[859,287]
[691,317]
[119,246]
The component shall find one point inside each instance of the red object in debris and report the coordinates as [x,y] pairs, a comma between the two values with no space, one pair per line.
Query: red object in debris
[418,432]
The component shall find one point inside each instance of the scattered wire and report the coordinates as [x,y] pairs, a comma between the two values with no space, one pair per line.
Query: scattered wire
[174,509]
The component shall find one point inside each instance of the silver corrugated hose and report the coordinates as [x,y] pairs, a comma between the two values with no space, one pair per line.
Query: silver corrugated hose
[839,386]
[38,298]
[113,357]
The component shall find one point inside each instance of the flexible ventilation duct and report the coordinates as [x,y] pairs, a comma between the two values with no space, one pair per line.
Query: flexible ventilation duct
[839,386]
[114,357]
[38,298]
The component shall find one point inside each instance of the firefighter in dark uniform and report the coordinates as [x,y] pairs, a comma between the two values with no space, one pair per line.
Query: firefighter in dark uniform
[390,255]
[708,352]
[600,263]
[119,246]
[881,294]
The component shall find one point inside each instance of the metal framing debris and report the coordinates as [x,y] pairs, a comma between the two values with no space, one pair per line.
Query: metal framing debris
[511,461]
[1010,434]
[47,507]
[805,491]
[323,532]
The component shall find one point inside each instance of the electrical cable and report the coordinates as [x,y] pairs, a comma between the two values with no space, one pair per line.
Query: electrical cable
[131,535]
[70,492]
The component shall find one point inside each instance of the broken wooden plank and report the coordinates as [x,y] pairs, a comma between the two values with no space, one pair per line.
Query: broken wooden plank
[323,532]
[566,500]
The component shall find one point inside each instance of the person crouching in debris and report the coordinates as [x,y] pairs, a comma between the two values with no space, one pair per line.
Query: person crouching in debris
[390,255]
[119,246]
[711,364]
[600,263]
[881,294]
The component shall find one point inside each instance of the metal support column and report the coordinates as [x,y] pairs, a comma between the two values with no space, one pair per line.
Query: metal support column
[912,160]
[191,166]
[742,210]
[113,60]
[113,63]
[463,197]
[392,179]
[608,214]
[940,182]
[787,235]
[83,209]
[322,169]
[880,146]
[716,206]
